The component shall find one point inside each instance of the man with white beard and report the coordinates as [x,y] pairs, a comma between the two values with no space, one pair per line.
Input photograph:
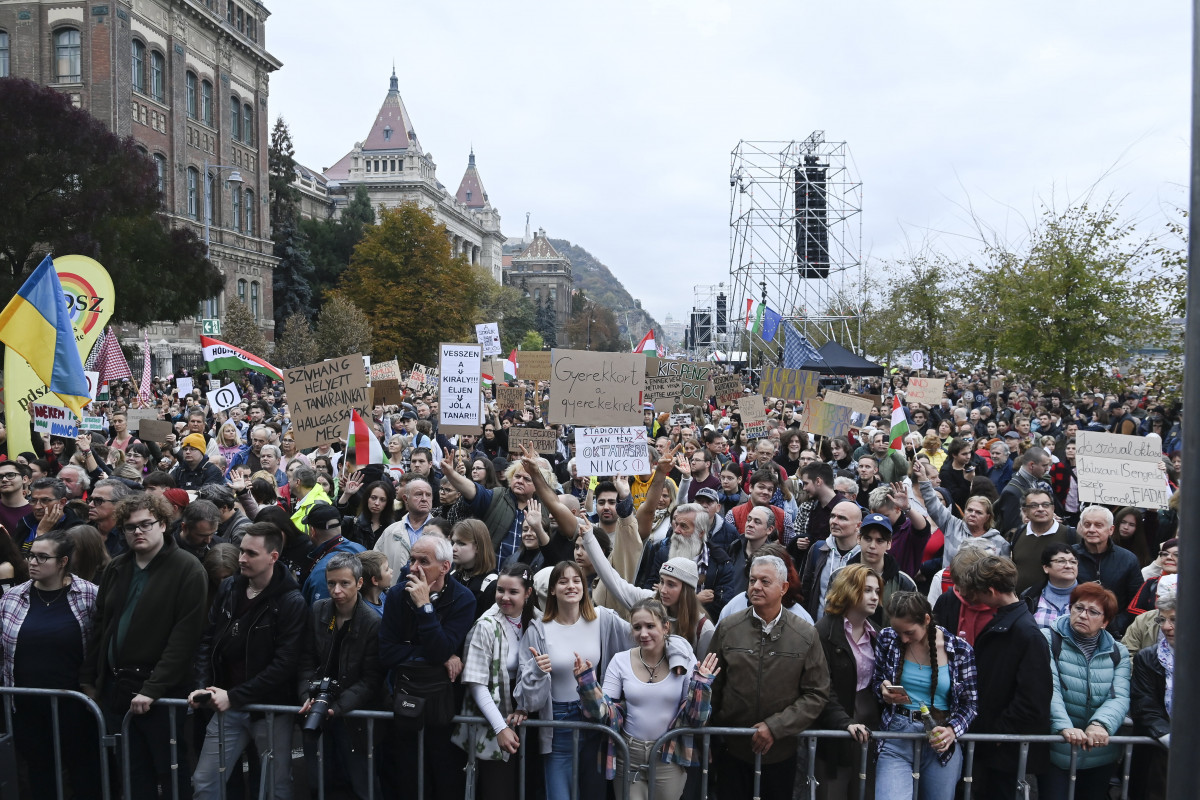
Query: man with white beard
[687,538]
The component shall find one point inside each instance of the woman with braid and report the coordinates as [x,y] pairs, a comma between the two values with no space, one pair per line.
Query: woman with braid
[921,668]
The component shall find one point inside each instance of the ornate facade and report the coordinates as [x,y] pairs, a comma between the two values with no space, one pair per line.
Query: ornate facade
[541,272]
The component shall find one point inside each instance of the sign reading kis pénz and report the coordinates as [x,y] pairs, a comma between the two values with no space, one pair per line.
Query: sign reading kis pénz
[591,388]
[321,396]
[543,440]
[461,404]
[611,451]
[56,421]
[926,391]
[1120,470]
[694,377]
[792,385]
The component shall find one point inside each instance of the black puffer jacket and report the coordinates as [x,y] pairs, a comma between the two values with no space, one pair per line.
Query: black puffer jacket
[274,640]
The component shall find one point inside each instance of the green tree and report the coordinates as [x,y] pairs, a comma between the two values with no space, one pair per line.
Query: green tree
[547,322]
[532,341]
[916,312]
[240,329]
[331,242]
[71,186]
[342,327]
[593,326]
[293,274]
[295,344]
[281,167]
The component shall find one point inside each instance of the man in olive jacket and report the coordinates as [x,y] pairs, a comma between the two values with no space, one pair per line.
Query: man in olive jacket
[150,613]
[773,678]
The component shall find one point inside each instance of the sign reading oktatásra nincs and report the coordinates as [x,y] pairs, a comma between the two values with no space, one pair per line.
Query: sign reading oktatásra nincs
[612,451]
[591,388]
[460,401]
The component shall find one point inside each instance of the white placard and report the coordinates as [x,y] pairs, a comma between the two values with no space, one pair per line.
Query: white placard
[185,386]
[93,379]
[92,424]
[1120,470]
[612,451]
[54,420]
[461,404]
[918,359]
[224,397]
[488,335]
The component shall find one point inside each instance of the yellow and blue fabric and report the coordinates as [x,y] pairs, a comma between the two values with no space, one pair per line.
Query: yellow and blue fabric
[36,325]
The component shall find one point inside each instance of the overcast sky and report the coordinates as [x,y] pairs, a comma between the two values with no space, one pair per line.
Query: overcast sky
[613,122]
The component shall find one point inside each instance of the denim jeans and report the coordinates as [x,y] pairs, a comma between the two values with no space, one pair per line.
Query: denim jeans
[894,772]
[239,728]
[559,775]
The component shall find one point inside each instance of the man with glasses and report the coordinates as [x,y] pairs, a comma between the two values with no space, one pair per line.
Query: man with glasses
[1030,540]
[1103,561]
[102,513]
[49,512]
[1033,468]
[13,504]
[150,613]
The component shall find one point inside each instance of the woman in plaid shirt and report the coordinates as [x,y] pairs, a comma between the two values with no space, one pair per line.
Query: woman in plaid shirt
[918,662]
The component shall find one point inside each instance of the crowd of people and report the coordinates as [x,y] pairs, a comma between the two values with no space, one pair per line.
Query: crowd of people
[947,582]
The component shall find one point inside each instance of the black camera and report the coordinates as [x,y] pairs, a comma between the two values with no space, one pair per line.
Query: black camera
[322,693]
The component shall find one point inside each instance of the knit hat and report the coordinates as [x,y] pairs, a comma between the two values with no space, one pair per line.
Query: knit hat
[177,497]
[682,569]
[194,440]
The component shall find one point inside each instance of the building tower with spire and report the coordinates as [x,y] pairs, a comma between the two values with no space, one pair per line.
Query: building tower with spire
[543,275]
[394,168]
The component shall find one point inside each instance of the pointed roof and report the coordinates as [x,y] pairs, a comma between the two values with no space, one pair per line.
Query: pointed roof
[393,128]
[470,192]
[540,248]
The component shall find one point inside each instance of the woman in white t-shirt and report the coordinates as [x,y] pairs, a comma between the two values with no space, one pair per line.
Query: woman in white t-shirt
[652,699]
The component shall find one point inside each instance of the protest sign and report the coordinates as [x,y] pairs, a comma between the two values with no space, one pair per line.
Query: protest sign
[510,398]
[861,406]
[926,391]
[224,397]
[54,420]
[997,385]
[495,368]
[752,410]
[321,396]
[93,379]
[92,424]
[387,392]
[918,359]
[1120,470]
[612,451]
[416,378]
[461,403]
[877,402]
[488,336]
[385,371]
[185,386]
[680,419]
[214,383]
[727,388]
[826,419]
[694,378]
[662,392]
[534,365]
[792,385]
[155,430]
[591,388]
[135,416]
[543,440]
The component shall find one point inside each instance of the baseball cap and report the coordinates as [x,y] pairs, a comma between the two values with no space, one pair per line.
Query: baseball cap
[877,521]
[710,493]
[322,516]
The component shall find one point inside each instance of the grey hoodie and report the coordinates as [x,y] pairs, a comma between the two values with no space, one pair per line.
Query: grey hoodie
[954,530]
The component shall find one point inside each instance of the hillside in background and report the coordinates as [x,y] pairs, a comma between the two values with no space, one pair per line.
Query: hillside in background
[600,285]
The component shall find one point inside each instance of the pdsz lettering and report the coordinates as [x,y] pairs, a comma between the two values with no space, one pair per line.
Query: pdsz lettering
[83,302]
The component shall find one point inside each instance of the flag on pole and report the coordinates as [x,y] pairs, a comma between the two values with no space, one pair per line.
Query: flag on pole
[510,366]
[647,343]
[35,324]
[754,315]
[362,442]
[145,393]
[110,361]
[222,355]
[798,351]
[485,380]
[899,424]
[770,324]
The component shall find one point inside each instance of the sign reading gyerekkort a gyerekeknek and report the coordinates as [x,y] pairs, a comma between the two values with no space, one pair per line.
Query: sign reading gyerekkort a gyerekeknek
[612,451]
[1120,470]
[321,396]
[460,408]
[591,388]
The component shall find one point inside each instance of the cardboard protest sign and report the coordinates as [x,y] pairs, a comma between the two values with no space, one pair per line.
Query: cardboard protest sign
[601,389]
[861,406]
[752,409]
[387,392]
[1120,470]
[461,403]
[224,397]
[488,336]
[826,419]
[134,417]
[510,398]
[385,371]
[792,385]
[416,378]
[693,378]
[612,451]
[184,385]
[926,391]
[543,440]
[679,419]
[663,391]
[534,365]
[92,424]
[54,420]
[321,396]
[997,385]
[214,383]
[155,430]
[727,388]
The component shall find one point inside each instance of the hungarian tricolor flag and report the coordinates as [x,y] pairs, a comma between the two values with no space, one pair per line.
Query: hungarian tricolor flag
[485,380]
[510,366]
[362,442]
[899,424]
[754,315]
[222,355]
[647,343]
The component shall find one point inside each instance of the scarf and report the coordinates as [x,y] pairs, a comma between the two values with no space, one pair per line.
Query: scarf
[1166,657]
[972,618]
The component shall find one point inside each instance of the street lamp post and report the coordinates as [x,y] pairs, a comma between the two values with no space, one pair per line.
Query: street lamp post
[234,177]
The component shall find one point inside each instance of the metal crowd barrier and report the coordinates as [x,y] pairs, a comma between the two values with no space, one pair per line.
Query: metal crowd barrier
[112,745]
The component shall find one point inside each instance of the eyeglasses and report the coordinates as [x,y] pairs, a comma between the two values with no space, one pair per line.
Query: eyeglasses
[1065,562]
[95,501]
[145,526]
[43,501]
[1039,505]
[9,476]
[40,558]
[1085,611]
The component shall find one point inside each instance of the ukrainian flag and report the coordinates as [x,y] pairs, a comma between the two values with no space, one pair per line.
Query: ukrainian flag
[35,324]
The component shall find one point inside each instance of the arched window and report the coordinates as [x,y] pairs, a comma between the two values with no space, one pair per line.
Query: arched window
[235,119]
[237,208]
[193,189]
[4,54]
[139,66]
[208,308]
[248,124]
[206,103]
[242,290]
[192,92]
[158,76]
[67,56]
[160,167]
[250,211]
[254,300]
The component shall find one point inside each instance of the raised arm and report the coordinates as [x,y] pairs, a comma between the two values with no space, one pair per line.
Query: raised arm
[625,592]
[567,522]
[645,513]
[461,483]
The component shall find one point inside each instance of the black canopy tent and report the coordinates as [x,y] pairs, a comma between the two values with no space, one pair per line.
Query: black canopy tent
[840,361]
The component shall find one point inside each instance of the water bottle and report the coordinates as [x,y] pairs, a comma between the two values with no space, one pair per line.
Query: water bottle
[927,721]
